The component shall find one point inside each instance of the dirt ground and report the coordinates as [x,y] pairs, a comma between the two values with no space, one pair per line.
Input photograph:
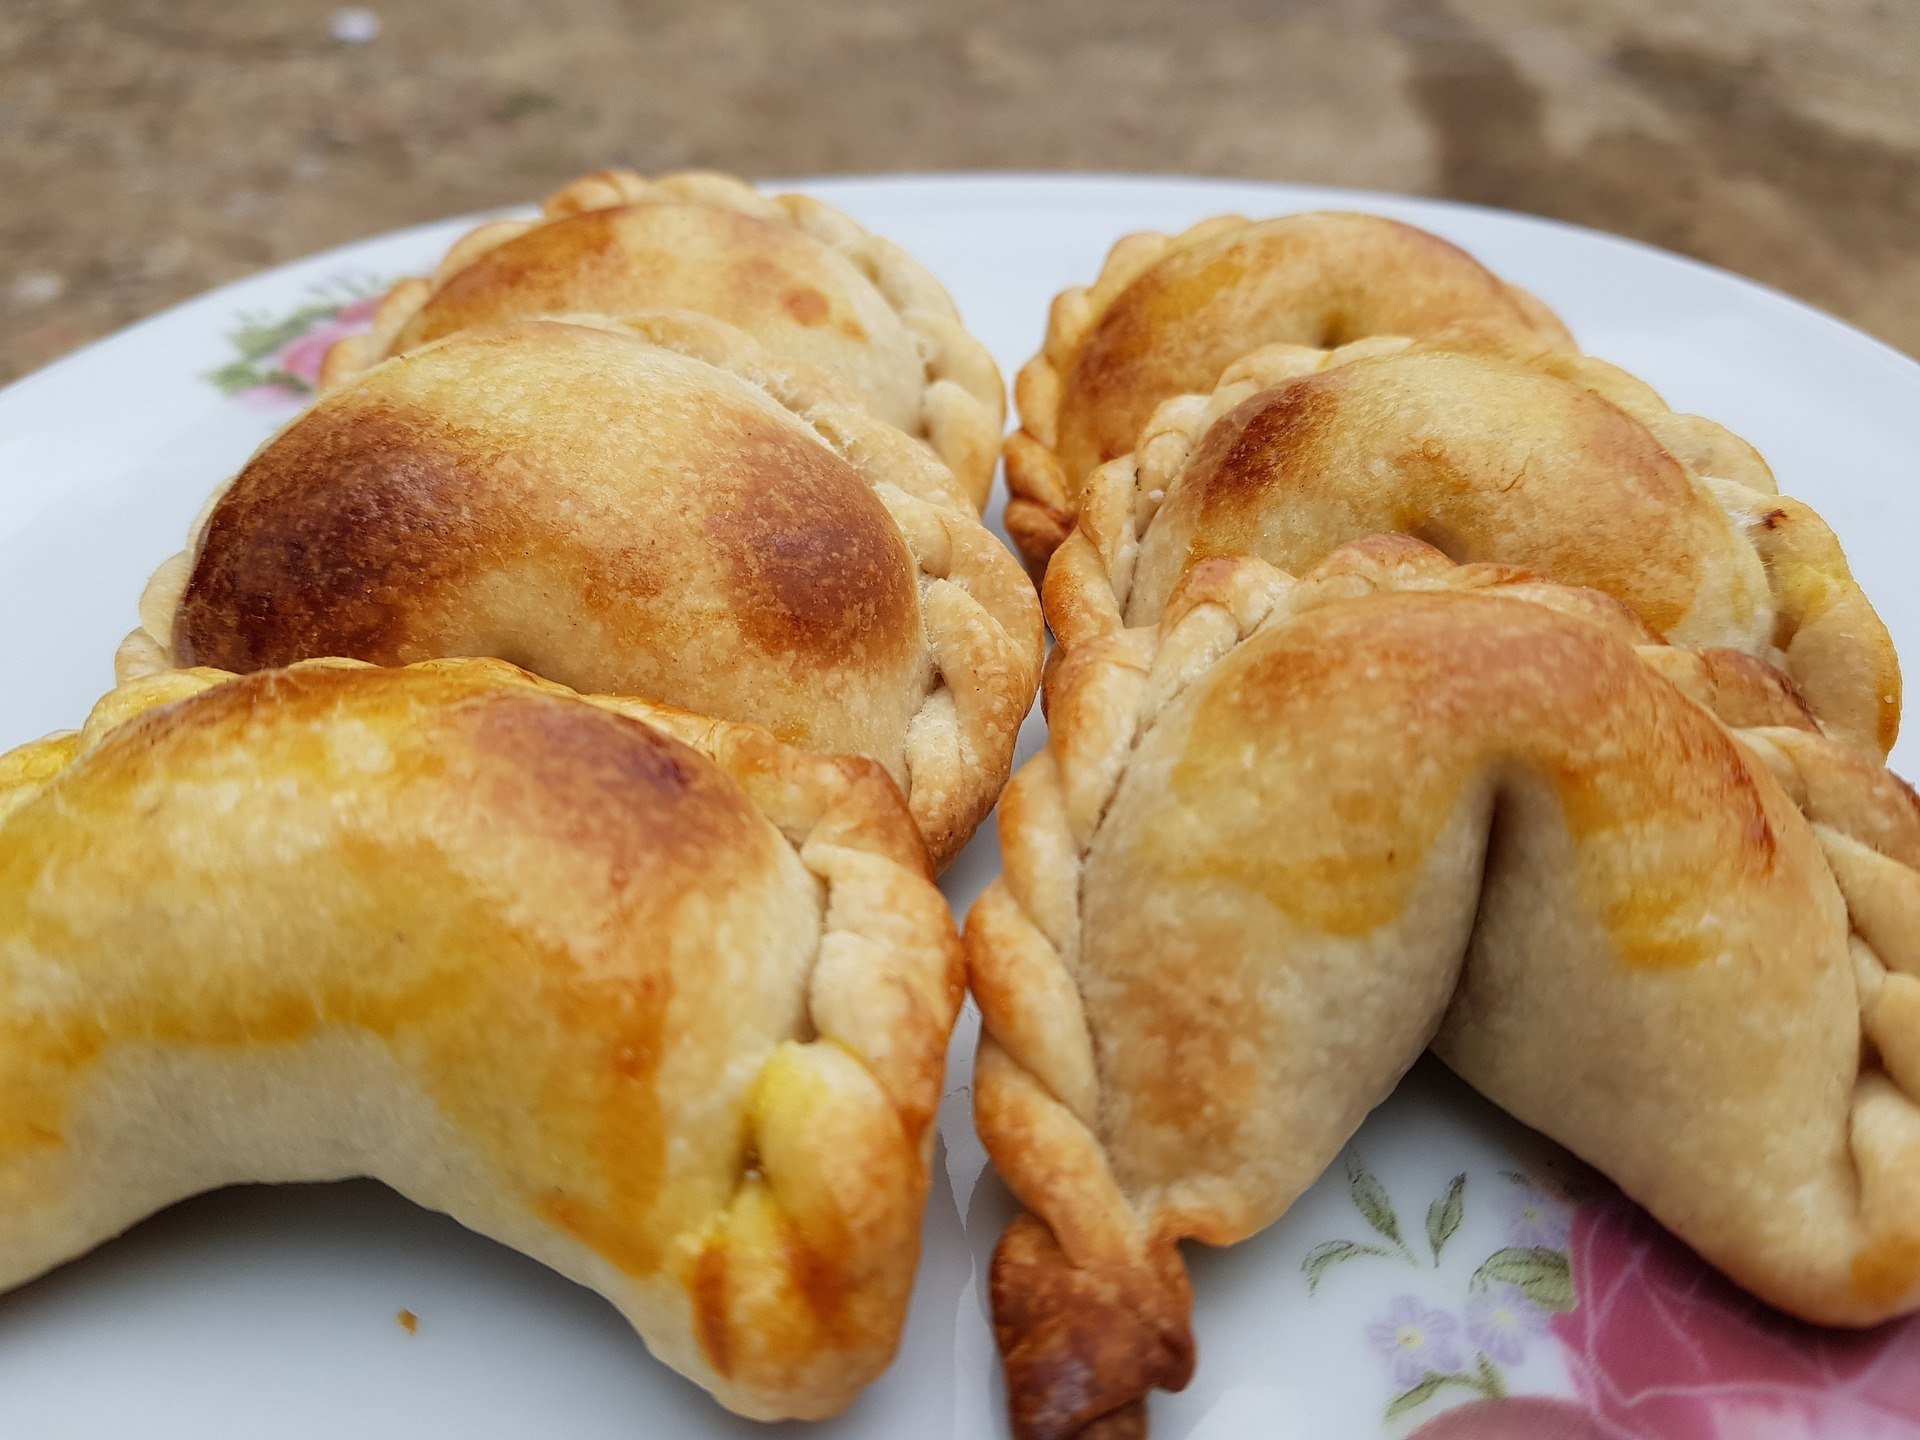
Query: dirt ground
[152,148]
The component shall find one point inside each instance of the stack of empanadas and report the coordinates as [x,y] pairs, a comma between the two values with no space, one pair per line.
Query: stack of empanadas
[653,505]
[1169,313]
[528,787]
[655,986]
[1424,682]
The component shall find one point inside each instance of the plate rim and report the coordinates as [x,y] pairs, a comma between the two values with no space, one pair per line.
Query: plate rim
[1868,344]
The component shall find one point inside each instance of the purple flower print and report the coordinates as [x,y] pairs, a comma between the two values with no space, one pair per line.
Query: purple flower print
[1501,1321]
[1535,1218]
[1415,1341]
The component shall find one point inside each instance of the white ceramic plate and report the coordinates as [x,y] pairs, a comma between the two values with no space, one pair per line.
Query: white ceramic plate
[264,1312]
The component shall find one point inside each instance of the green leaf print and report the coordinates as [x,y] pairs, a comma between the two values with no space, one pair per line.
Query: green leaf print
[1445,1214]
[1542,1275]
[1370,1199]
[1323,1258]
[1418,1395]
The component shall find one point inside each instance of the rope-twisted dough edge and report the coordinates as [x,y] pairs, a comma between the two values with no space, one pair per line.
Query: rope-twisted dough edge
[1042,499]
[963,406]
[882,997]
[1827,636]
[1090,1296]
[980,614]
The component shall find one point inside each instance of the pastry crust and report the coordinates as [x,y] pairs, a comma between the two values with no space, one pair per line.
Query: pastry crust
[655,999]
[1169,313]
[655,506]
[799,276]
[1258,869]
[1540,458]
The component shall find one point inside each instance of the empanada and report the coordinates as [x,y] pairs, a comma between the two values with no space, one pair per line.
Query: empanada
[799,276]
[654,507]
[1282,841]
[1548,460]
[1169,313]
[654,999]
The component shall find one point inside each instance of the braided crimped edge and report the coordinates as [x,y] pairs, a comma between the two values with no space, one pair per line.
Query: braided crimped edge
[980,615]
[1042,499]
[883,995]
[963,407]
[1827,637]
[1082,1248]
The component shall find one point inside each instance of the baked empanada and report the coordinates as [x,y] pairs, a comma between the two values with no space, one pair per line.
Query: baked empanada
[799,276]
[1282,841]
[1169,313]
[654,507]
[652,998]
[1548,460]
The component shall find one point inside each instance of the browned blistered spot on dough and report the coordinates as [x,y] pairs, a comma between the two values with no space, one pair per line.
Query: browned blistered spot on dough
[810,1308]
[819,1265]
[1263,436]
[741,268]
[813,558]
[707,1289]
[1081,1343]
[1482,458]
[385,532]
[1244,453]
[600,781]
[1887,1270]
[558,268]
[327,540]
[807,305]
[1476,681]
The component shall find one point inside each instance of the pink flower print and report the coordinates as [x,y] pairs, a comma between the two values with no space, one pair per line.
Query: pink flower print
[1415,1341]
[303,357]
[1501,1321]
[1536,1218]
[1662,1348]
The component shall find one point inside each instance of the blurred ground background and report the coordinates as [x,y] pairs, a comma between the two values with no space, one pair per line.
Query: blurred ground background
[152,148]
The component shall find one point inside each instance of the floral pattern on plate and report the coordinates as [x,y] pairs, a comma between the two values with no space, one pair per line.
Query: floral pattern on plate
[1500,1307]
[277,365]
[1655,1345]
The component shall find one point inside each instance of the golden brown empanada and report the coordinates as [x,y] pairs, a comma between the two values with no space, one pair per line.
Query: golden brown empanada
[1548,460]
[654,507]
[799,276]
[1282,841]
[1169,313]
[652,998]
